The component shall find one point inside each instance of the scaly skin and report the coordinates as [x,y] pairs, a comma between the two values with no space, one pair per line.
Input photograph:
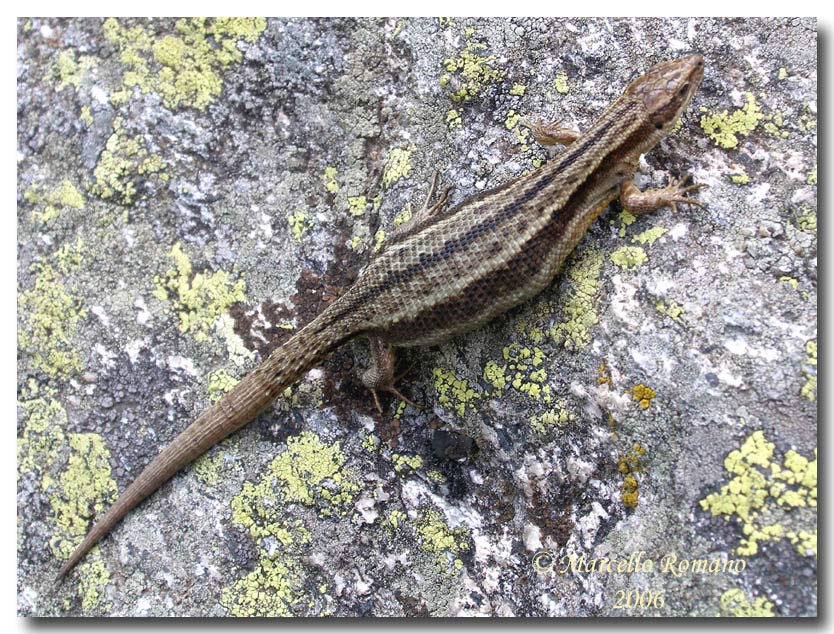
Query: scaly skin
[452,270]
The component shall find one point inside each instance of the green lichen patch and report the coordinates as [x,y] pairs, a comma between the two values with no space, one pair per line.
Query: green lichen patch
[224,329]
[397,167]
[649,236]
[86,116]
[329,179]
[807,221]
[444,543]
[673,310]
[812,176]
[523,370]
[198,299]
[50,205]
[220,383]
[809,390]
[579,313]
[561,84]
[626,219]
[629,257]
[208,467]
[522,133]
[124,165]
[68,71]
[275,588]
[48,315]
[299,223]
[471,72]
[773,125]
[740,179]
[184,69]
[308,472]
[725,127]
[406,463]
[453,118]
[404,216]
[768,499]
[92,585]
[735,603]
[357,205]
[78,484]
[379,240]
[557,416]
[454,392]
[84,491]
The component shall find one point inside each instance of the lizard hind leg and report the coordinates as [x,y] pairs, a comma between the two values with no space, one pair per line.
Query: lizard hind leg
[380,376]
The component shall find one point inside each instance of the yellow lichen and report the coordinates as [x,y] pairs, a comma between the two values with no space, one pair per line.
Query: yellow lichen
[78,484]
[561,84]
[629,465]
[49,316]
[123,165]
[70,72]
[184,69]
[273,589]
[356,205]
[768,499]
[198,299]
[626,219]
[724,127]
[453,392]
[379,240]
[556,416]
[579,314]
[329,178]
[629,257]
[470,73]
[401,462]
[299,223]
[445,543]
[735,603]
[644,394]
[649,236]
[673,310]
[55,202]
[809,390]
[522,370]
[308,472]
[397,167]
[807,221]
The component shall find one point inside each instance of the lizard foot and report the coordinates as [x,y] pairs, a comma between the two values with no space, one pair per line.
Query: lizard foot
[380,376]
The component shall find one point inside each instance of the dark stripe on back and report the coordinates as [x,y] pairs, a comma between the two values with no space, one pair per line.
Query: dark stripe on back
[510,210]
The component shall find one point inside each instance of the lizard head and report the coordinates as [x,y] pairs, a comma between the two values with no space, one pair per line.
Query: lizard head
[667,88]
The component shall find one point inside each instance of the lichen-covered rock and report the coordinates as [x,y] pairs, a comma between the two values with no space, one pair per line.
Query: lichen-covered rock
[640,439]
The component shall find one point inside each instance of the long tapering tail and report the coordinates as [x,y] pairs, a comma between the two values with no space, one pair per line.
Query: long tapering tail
[248,399]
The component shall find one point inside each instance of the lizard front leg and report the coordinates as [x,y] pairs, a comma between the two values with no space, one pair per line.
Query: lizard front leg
[380,376]
[642,202]
[552,133]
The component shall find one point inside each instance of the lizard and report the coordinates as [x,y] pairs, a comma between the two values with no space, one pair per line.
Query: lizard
[452,269]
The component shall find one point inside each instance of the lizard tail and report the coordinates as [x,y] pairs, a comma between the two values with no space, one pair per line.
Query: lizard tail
[248,399]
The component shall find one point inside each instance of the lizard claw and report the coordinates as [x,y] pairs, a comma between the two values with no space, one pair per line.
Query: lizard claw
[680,187]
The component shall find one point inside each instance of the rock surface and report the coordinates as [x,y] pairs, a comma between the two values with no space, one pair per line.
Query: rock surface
[640,439]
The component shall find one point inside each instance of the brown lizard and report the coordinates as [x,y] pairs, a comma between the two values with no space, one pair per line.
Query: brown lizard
[452,269]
